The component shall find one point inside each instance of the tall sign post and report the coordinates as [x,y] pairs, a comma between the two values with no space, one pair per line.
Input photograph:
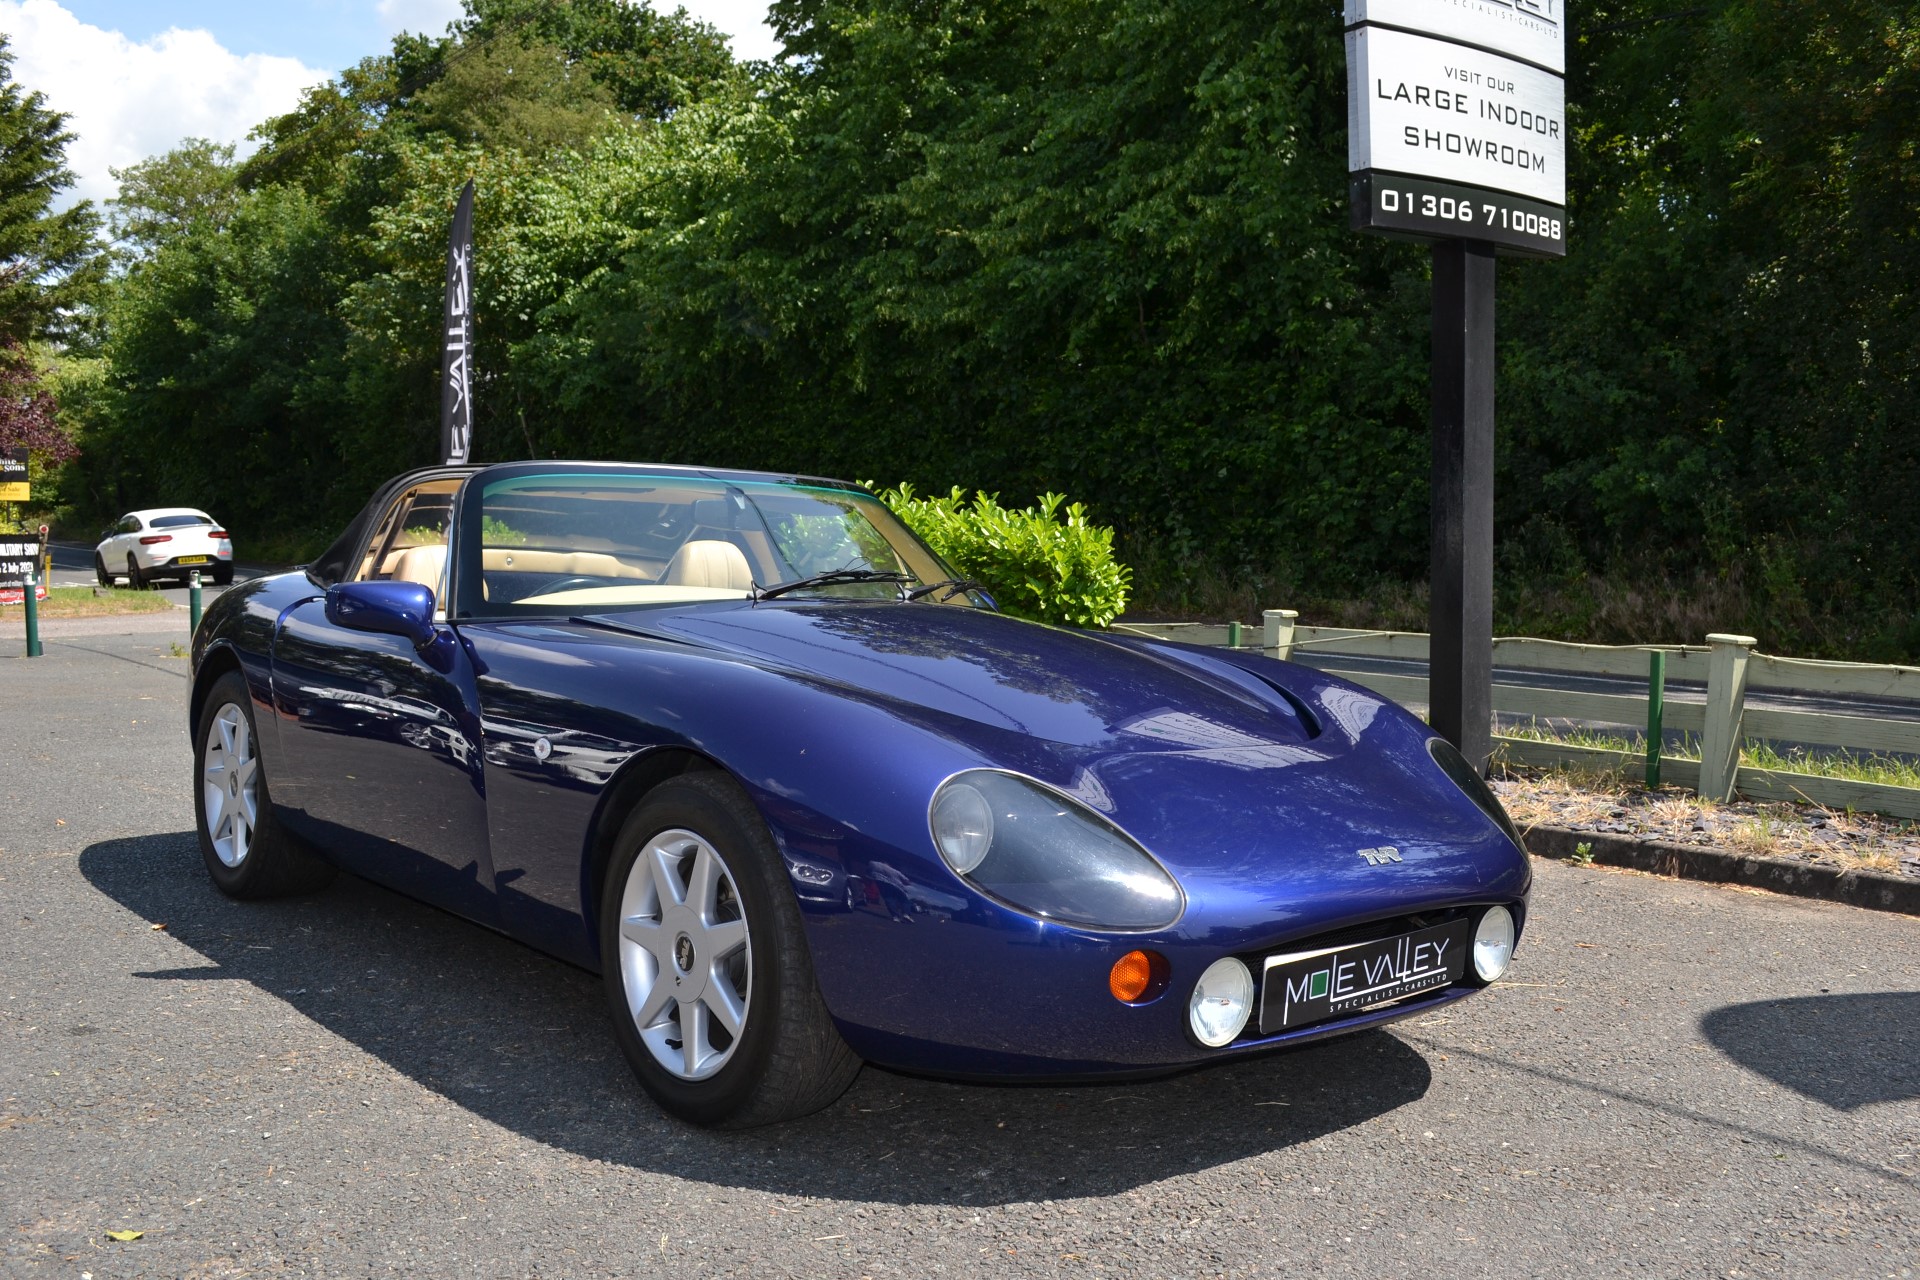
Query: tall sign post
[1456,134]
[456,361]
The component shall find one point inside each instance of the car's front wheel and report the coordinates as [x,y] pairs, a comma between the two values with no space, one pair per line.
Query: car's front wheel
[708,974]
[100,573]
[247,852]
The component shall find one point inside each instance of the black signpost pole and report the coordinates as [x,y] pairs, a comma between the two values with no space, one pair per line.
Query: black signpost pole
[1461,604]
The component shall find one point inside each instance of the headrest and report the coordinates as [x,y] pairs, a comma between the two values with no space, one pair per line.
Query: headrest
[709,563]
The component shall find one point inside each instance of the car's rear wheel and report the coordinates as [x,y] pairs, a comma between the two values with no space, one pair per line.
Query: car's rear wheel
[247,852]
[708,974]
[222,575]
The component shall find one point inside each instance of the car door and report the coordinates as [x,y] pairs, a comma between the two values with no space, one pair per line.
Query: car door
[381,757]
[114,554]
[382,760]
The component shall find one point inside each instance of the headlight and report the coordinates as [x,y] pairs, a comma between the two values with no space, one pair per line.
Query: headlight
[1468,779]
[1493,943]
[1221,1001]
[1047,855]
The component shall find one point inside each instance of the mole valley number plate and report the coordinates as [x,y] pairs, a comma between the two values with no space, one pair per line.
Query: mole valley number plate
[1312,986]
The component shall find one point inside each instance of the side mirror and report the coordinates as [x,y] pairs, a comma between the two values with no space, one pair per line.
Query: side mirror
[403,609]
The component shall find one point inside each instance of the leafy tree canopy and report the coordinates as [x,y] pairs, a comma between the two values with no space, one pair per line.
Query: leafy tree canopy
[163,196]
[50,261]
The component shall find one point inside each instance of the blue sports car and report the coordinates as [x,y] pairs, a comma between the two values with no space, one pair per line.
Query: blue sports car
[742,744]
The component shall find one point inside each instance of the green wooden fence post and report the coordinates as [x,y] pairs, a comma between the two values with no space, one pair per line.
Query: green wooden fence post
[1656,708]
[33,615]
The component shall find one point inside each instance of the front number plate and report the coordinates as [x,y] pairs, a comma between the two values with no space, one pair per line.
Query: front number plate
[1312,986]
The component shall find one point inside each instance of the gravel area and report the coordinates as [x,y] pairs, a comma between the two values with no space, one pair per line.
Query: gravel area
[1806,833]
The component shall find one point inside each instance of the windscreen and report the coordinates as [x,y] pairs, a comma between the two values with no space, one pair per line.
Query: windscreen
[590,542]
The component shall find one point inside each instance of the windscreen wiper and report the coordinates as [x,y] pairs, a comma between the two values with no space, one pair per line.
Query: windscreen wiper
[829,578]
[946,588]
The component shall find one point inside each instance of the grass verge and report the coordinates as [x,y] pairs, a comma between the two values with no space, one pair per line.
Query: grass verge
[89,602]
[1833,762]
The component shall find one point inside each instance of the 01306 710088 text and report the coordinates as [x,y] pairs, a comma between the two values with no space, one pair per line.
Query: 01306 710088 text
[1421,206]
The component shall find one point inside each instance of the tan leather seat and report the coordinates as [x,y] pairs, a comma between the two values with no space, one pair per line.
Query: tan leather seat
[709,562]
[425,564]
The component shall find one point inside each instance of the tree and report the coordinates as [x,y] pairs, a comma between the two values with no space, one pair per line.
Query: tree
[653,63]
[162,196]
[49,261]
[515,91]
[27,410]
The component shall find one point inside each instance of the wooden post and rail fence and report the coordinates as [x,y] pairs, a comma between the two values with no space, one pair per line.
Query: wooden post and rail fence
[1727,666]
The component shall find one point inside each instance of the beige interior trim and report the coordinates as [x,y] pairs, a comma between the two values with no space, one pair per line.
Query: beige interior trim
[639,593]
[588,564]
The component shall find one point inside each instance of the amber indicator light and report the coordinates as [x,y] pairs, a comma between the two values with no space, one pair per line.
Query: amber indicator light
[1137,976]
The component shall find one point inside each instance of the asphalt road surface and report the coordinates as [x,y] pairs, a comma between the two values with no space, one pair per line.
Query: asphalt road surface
[1679,1080]
[73,567]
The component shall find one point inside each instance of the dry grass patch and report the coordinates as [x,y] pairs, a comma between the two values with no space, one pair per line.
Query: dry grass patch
[1612,803]
[90,602]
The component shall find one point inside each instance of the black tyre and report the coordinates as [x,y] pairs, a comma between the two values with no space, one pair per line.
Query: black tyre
[136,581]
[100,573]
[708,975]
[222,575]
[247,852]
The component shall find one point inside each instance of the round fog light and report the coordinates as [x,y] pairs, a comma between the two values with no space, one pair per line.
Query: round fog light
[1493,943]
[1222,1000]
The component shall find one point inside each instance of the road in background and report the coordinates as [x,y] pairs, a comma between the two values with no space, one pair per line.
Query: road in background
[1679,1079]
[1676,691]
[73,567]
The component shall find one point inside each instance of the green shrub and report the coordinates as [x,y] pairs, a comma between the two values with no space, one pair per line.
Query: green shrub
[1035,563]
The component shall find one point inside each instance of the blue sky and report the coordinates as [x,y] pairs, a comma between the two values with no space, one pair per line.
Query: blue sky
[136,76]
[330,34]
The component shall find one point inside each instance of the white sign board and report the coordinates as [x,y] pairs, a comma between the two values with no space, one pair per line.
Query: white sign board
[1433,109]
[1530,30]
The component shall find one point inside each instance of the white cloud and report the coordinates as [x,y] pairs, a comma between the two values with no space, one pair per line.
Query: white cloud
[127,101]
[424,17]
[744,20]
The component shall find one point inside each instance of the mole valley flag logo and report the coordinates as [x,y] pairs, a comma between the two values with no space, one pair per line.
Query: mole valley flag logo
[456,365]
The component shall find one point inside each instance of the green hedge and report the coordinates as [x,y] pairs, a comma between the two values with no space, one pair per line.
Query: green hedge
[1036,563]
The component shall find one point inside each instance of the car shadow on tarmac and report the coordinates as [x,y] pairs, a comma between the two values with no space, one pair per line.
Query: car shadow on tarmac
[1847,1051]
[523,1041]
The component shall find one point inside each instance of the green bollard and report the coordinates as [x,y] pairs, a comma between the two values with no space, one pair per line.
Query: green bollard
[1656,709]
[193,603]
[1233,635]
[33,617]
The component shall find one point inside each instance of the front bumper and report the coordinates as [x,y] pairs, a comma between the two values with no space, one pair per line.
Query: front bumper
[1037,1007]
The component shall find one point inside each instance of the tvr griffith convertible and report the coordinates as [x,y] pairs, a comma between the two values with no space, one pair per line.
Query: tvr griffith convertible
[744,745]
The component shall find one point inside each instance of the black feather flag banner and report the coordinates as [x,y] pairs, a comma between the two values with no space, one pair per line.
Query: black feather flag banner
[456,362]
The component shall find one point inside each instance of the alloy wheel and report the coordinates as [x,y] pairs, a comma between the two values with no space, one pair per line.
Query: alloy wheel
[686,960]
[230,786]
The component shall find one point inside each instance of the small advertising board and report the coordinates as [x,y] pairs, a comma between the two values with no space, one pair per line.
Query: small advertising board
[1456,121]
[20,558]
[13,476]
